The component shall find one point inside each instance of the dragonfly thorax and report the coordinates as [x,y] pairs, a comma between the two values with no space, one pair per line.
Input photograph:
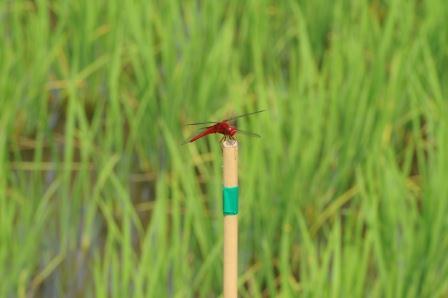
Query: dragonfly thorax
[226,129]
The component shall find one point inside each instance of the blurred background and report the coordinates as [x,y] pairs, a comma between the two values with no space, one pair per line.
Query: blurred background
[345,194]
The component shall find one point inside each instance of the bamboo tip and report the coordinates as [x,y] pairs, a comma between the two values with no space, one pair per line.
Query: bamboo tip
[230,143]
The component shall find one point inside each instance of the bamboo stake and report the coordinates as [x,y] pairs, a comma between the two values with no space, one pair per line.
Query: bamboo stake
[230,208]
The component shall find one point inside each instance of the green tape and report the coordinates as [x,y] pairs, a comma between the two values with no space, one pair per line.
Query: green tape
[230,200]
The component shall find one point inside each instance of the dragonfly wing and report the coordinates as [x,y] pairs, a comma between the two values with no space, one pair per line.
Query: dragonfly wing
[229,119]
[248,133]
[202,123]
[244,115]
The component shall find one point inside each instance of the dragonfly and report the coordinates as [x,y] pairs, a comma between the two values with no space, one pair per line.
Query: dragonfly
[225,127]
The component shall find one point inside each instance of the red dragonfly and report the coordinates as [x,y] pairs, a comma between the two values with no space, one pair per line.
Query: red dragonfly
[223,127]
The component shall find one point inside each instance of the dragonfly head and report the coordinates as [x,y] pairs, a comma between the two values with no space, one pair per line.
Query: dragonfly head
[231,130]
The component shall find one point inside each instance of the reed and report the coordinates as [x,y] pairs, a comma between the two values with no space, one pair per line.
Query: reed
[230,210]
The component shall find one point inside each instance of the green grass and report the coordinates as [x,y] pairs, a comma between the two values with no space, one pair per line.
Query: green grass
[346,194]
